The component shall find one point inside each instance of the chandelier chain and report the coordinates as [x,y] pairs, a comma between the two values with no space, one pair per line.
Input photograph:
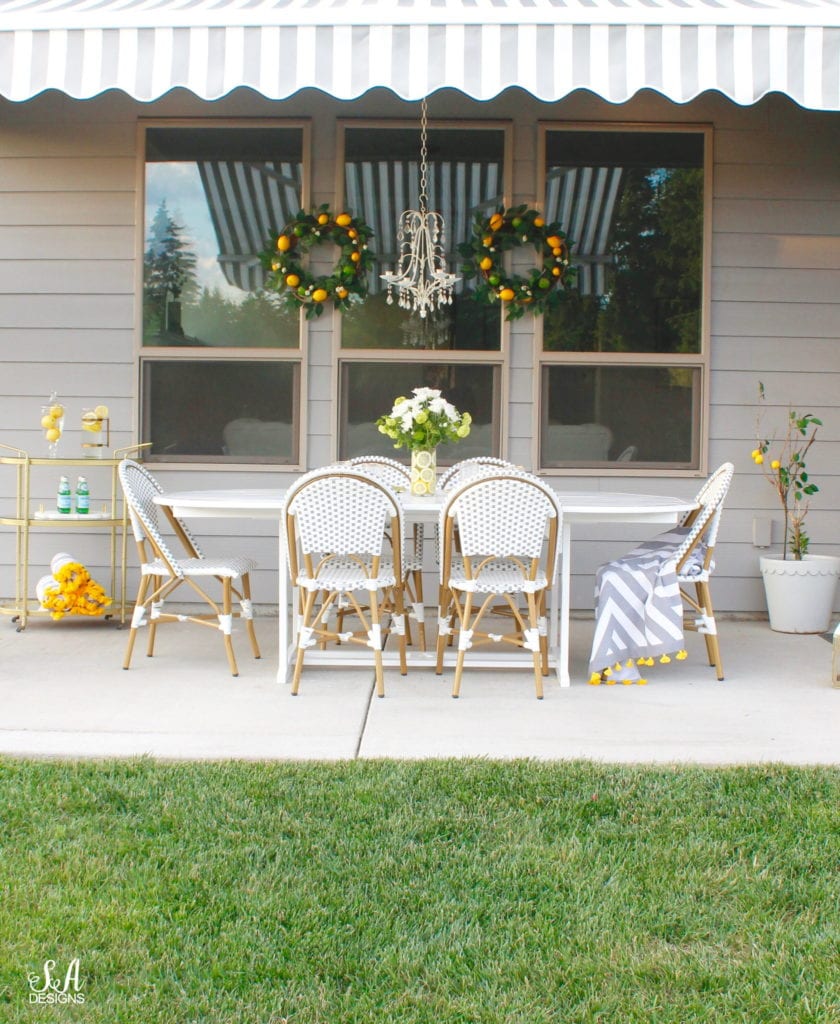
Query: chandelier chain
[424,121]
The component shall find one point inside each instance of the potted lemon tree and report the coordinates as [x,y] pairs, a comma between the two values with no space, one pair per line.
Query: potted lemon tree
[799,586]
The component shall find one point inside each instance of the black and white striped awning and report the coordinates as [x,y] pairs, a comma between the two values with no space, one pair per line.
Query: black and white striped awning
[680,48]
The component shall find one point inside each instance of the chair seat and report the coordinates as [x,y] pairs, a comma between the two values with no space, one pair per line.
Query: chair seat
[234,568]
[498,578]
[348,575]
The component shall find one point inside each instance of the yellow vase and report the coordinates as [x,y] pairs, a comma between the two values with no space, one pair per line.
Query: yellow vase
[423,471]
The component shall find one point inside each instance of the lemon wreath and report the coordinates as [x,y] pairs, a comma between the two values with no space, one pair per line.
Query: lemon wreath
[346,284]
[538,290]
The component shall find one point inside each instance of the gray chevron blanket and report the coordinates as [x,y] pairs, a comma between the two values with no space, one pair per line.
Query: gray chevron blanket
[638,608]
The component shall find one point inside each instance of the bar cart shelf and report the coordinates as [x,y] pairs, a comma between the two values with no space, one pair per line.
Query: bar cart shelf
[110,521]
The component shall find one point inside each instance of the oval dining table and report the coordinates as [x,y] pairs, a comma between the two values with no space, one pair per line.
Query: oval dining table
[579,508]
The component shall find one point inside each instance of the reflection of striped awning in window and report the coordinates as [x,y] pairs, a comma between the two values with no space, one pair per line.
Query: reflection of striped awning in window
[246,201]
[379,192]
[583,199]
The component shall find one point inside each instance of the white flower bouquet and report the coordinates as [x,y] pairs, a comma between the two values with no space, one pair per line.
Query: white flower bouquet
[424,421]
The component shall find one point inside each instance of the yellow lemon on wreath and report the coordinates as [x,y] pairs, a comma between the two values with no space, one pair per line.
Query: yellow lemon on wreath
[487,241]
[341,292]
[284,243]
[538,222]
[292,280]
[319,295]
[486,263]
[555,271]
[506,294]
[496,221]
[355,256]
[53,434]
[343,220]
[352,233]
[554,241]
[323,218]
[47,422]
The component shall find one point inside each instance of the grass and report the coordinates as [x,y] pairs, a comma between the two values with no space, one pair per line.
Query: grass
[442,891]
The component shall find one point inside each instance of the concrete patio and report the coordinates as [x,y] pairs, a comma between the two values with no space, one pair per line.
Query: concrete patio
[63,693]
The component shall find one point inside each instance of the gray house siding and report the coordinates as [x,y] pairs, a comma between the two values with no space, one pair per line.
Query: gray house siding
[69,174]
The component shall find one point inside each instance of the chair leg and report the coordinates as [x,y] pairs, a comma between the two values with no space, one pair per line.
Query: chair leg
[418,600]
[249,615]
[443,612]
[226,625]
[376,640]
[533,623]
[704,599]
[138,609]
[463,634]
[152,635]
[308,601]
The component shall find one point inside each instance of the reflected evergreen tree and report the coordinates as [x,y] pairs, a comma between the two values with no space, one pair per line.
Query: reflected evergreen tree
[169,277]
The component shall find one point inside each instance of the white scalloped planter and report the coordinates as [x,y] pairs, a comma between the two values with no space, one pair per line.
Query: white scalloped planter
[800,595]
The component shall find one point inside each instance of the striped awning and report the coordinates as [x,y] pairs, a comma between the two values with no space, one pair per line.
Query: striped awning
[680,48]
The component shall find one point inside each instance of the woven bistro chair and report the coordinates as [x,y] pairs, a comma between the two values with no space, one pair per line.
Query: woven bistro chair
[695,559]
[398,477]
[344,531]
[162,570]
[508,528]
[468,468]
[644,599]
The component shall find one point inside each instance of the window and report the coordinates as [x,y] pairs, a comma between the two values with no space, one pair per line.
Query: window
[624,360]
[221,357]
[385,351]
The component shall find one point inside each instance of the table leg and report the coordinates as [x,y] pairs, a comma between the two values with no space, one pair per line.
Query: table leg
[565,588]
[283,611]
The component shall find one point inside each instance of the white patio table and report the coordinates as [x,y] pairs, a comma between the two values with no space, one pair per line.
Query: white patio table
[579,508]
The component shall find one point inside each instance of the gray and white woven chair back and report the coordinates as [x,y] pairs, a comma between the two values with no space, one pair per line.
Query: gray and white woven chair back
[336,519]
[140,489]
[343,512]
[397,476]
[704,522]
[504,517]
[468,469]
[394,473]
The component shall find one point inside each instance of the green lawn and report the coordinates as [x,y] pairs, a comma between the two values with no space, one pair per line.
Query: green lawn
[437,892]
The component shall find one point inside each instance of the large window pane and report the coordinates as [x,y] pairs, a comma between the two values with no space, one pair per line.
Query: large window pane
[381,180]
[599,414]
[368,391]
[221,410]
[213,198]
[632,202]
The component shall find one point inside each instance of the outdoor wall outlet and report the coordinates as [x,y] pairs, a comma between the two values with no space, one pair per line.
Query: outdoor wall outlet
[762,532]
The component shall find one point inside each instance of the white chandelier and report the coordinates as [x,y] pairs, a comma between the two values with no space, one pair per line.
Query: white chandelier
[420,276]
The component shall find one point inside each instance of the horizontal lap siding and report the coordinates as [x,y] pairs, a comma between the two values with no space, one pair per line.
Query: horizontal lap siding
[775,319]
[67,302]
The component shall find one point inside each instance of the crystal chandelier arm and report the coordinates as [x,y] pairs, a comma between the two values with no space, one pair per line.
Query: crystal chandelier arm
[420,275]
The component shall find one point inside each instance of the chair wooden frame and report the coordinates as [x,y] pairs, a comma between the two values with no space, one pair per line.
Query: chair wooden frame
[339,522]
[162,571]
[396,475]
[498,549]
[704,523]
